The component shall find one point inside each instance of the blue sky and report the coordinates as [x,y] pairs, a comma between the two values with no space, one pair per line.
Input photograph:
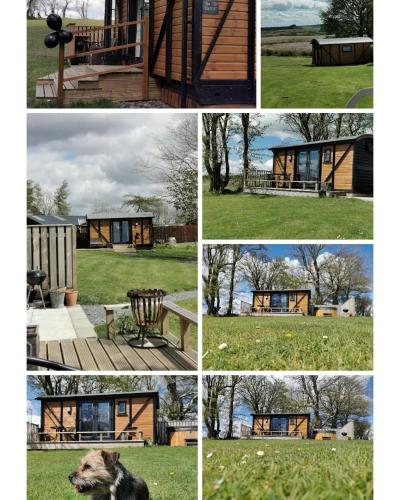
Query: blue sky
[288,12]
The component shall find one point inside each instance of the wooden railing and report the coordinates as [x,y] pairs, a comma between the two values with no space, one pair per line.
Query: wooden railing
[265,179]
[277,310]
[93,38]
[58,436]
[277,433]
[186,319]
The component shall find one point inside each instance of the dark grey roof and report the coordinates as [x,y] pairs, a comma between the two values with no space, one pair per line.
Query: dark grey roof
[285,290]
[327,141]
[307,414]
[97,395]
[76,220]
[339,41]
[120,215]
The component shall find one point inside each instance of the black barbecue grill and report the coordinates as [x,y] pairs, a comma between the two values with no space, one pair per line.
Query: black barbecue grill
[34,279]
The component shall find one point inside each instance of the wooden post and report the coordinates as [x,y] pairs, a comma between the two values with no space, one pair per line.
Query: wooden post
[164,322]
[109,321]
[60,90]
[186,341]
[146,40]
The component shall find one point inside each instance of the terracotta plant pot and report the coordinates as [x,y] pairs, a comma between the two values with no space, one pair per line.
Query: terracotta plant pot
[71,298]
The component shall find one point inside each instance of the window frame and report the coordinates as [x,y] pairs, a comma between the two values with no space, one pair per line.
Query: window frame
[119,412]
[347,49]
[328,151]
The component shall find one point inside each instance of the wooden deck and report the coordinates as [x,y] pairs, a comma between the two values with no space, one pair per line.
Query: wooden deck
[93,354]
[124,83]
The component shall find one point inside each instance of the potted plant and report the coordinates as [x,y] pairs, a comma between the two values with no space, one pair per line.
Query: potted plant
[57,297]
[71,297]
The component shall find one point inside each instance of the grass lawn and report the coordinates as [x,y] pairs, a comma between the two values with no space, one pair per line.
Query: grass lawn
[168,472]
[298,343]
[248,216]
[292,82]
[104,276]
[307,470]
[174,325]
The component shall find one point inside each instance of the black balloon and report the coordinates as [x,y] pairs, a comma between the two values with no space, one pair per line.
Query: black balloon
[65,36]
[51,40]
[54,22]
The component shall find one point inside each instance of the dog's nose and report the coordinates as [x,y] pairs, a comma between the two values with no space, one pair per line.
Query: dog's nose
[71,476]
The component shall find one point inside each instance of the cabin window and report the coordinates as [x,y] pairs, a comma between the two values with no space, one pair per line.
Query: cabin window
[121,408]
[292,296]
[327,155]
[292,420]
[326,438]
[347,48]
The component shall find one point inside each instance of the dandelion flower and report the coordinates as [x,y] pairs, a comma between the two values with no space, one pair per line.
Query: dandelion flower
[222,346]
[288,335]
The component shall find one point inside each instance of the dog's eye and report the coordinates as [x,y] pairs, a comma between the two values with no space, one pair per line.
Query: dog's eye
[87,466]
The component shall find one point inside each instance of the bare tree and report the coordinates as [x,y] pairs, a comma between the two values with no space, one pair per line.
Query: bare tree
[65,6]
[82,7]
[264,394]
[215,260]
[32,7]
[233,386]
[180,401]
[178,154]
[310,259]
[235,257]
[214,387]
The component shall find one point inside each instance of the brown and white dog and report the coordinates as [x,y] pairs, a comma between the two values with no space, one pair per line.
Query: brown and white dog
[102,477]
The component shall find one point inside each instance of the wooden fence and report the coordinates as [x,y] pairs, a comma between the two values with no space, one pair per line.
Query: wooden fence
[52,248]
[162,426]
[183,234]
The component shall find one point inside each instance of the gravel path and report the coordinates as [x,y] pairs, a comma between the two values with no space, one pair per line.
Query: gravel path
[97,316]
[144,105]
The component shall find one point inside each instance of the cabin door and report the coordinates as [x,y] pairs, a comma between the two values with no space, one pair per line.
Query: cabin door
[308,165]
[280,300]
[120,232]
[279,425]
[95,419]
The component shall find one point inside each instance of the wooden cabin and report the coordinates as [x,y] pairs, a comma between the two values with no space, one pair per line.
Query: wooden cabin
[341,51]
[341,166]
[280,302]
[280,425]
[125,417]
[186,53]
[325,311]
[121,229]
[324,434]
[203,53]
[183,433]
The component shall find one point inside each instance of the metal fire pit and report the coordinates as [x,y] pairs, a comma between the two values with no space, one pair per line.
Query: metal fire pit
[34,279]
[146,308]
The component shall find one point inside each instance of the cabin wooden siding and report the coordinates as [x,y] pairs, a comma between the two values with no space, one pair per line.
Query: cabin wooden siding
[140,415]
[333,54]
[325,436]
[321,313]
[296,424]
[178,437]
[262,299]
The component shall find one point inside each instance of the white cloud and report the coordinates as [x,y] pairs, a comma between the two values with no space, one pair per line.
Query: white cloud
[287,12]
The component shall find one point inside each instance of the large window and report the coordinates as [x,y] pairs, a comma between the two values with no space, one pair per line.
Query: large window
[279,425]
[95,418]
[308,165]
[120,231]
[280,300]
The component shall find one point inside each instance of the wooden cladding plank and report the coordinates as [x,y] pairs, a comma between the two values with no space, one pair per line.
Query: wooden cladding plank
[61,256]
[53,275]
[68,257]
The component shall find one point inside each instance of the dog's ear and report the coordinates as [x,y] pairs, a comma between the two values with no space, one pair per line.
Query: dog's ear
[110,457]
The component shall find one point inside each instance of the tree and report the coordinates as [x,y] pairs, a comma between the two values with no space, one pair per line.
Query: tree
[82,7]
[233,386]
[264,394]
[236,255]
[181,399]
[214,388]
[322,126]
[216,130]
[348,18]
[312,388]
[62,207]
[252,126]
[30,196]
[310,259]
[65,6]
[344,275]
[153,204]
[361,428]
[363,305]
[178,154]
[215,260]
[31,8]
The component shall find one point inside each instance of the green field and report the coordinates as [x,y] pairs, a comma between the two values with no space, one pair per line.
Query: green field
[292,82]
[295,470]
[247,216]
[104,276]
[168,472]
[299,343]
